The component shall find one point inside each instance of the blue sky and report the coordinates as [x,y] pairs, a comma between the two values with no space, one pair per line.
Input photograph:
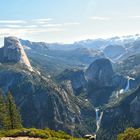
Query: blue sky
[68,20]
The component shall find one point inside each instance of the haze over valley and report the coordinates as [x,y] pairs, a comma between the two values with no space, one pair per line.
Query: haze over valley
[69,70]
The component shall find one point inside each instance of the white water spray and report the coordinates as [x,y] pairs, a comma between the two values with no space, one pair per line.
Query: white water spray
[122,91]
[98,119]
[128,83]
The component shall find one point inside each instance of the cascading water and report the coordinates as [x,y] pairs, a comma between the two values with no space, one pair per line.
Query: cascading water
[98,119]
[122,91]
[128,83]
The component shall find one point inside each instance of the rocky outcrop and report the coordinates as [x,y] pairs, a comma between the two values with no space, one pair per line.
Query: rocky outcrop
[43,103]
[135,108]
[114,52]
[97,83]
[76,77]
[38,46]
[102,81]
[13,52]
[121,115]
[100,72]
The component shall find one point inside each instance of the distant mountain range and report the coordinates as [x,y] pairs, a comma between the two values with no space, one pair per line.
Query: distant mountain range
[74,87]
[58,57]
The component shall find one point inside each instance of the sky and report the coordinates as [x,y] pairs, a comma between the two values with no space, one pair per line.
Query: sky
[67,21]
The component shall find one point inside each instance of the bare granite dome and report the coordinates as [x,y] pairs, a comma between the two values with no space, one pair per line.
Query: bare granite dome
[100,72]
[13,52]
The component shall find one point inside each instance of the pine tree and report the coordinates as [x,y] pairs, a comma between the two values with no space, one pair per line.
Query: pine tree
[3,113]
[13,113]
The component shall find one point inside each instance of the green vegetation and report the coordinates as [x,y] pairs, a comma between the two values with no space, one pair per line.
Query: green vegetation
[3,114]
[117,126]
[37,133]
[9,114]
[10,123]
[130,134]
[13,113]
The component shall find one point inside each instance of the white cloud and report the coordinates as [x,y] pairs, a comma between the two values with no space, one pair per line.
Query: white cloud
[12,21]
[11,32]
[134,17]
[52,25]
[72,23]
[12,26]
[39,21]
[42,21]
[31,26]
[39,30]
[22,32]
[60,25]
[100,18]
[34,23]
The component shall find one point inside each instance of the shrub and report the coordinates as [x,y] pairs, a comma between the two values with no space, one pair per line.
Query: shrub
[35,133]
[130,134]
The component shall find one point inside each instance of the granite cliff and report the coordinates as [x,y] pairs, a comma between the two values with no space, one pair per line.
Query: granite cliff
[42,102]
[13,52]
[100,72]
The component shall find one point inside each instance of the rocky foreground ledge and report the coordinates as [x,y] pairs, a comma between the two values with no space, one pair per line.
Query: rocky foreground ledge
[19,138]
[28,138]
[35,134]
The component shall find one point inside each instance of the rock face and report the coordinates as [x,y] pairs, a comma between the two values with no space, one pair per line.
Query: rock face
[76,77]
[102,81]
[100,72]
[97,83]
[135,109]
[13,52]
[123,114]
[43,103]
[38,46]
[114,51]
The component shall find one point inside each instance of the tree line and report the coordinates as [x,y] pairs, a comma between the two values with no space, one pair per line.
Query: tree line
[10,117]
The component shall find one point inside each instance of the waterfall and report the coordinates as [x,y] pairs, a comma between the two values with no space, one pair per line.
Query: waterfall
[117,94]
[122,91]
[128,83]
[97,115]
[98,119]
